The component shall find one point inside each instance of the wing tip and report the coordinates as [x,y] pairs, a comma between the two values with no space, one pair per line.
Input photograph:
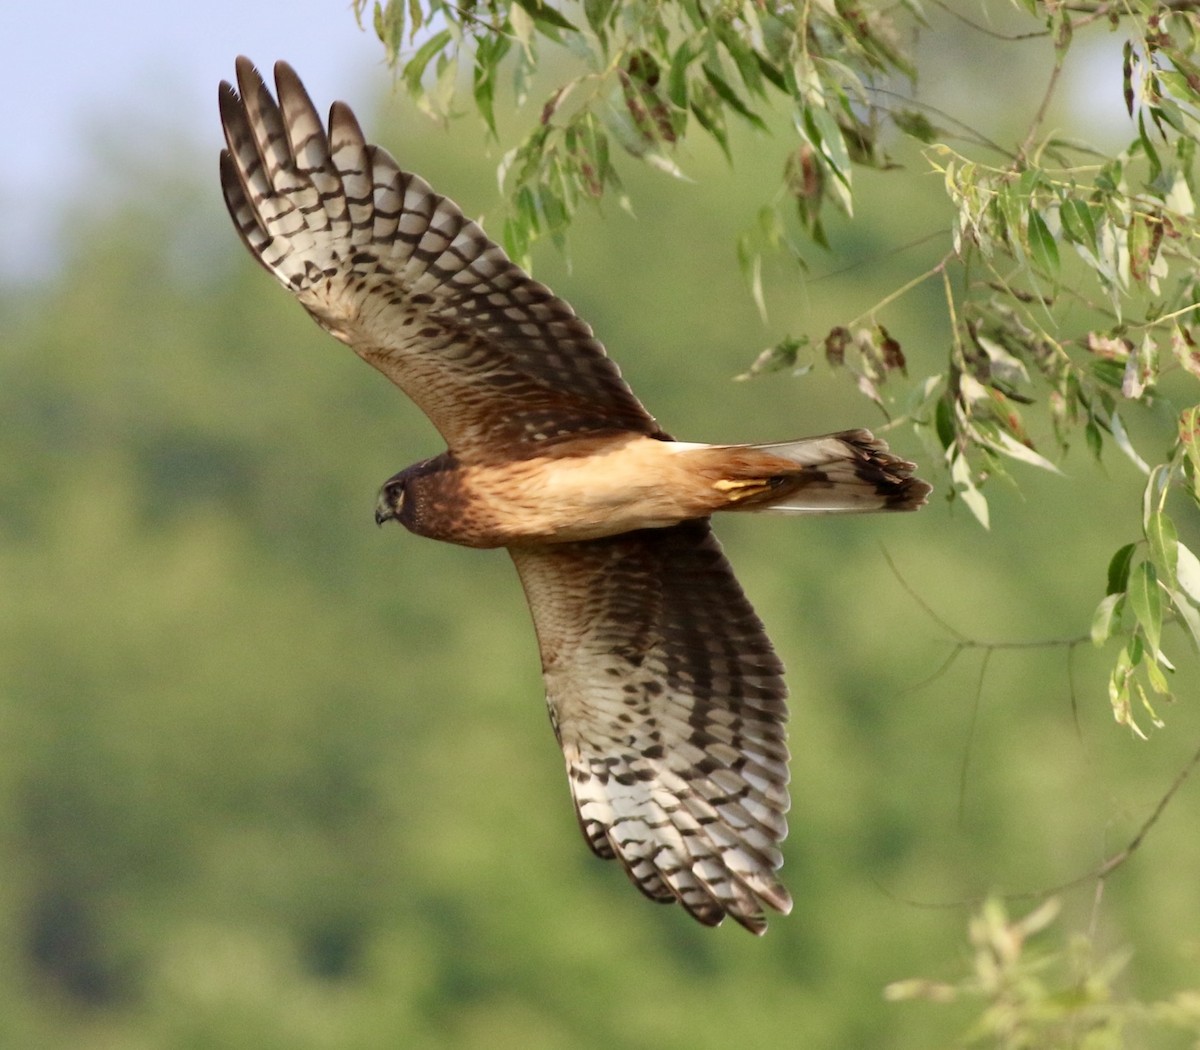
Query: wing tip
[708,898]
[246,70]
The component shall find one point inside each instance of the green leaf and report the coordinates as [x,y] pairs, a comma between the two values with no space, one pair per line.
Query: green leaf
[1110,176]
[738,47]
[414,69]
[1154,495]
[1145,599]
[1042,245]
[1078,223]
[823,131]
[710,117]
[730,97]
[1189,435]
[1146,705]
[776,358]
[1188,614]
[965,488]
[1014,449]
[1141,368]
[1181,84]
[1106,618]
[1139,240]
[1158,682]
[1118,686]
[598,13]
[944,422]
[1187,572]
[522,25]
[1118,569]
[545,15]
[488,54]
[522,227]
[677,86]
[1183,348]
[773,73]
[916,125]
[1165,111]
[389,26]
[1148,149]
[1164,546]
[1110,373]
[1117,429]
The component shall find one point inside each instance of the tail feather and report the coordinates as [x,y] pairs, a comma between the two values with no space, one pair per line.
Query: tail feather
[849,472]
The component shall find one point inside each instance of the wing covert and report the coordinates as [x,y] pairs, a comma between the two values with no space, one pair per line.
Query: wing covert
[669,704]
[498,362]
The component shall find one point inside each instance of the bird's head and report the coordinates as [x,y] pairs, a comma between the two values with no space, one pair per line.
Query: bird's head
[391,500]
[408,496]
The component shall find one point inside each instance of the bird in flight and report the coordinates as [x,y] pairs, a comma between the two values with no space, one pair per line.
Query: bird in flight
[664,691]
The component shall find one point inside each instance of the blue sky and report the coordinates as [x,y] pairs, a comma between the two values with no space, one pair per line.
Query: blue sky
[80,76]
[71,72]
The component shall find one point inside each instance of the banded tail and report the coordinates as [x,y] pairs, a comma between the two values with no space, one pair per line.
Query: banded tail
[845,473]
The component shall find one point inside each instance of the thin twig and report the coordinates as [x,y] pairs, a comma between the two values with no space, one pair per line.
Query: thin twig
[900,292]
[967,132]
[943,667]
[993,33]
[876,257]
[961,640]
[1040,116]
[1099,874]
[964,768]
[958,636]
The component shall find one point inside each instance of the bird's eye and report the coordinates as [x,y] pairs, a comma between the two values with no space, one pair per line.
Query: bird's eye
[389,501]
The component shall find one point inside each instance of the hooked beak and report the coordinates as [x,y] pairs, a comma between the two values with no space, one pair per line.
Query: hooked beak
[383,510]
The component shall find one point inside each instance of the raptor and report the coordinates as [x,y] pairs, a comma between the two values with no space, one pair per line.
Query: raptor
[664,691]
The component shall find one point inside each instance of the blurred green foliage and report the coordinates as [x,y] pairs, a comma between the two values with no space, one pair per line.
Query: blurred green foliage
[1032,998]
[272,778]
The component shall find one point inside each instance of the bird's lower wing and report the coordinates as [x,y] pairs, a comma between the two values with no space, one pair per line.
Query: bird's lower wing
[669,704]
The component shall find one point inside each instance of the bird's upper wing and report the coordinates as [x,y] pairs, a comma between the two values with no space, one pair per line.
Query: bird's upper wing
[498,362]
[668,701]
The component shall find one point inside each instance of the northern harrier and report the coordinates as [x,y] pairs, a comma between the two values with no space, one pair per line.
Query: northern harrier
[663,689]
